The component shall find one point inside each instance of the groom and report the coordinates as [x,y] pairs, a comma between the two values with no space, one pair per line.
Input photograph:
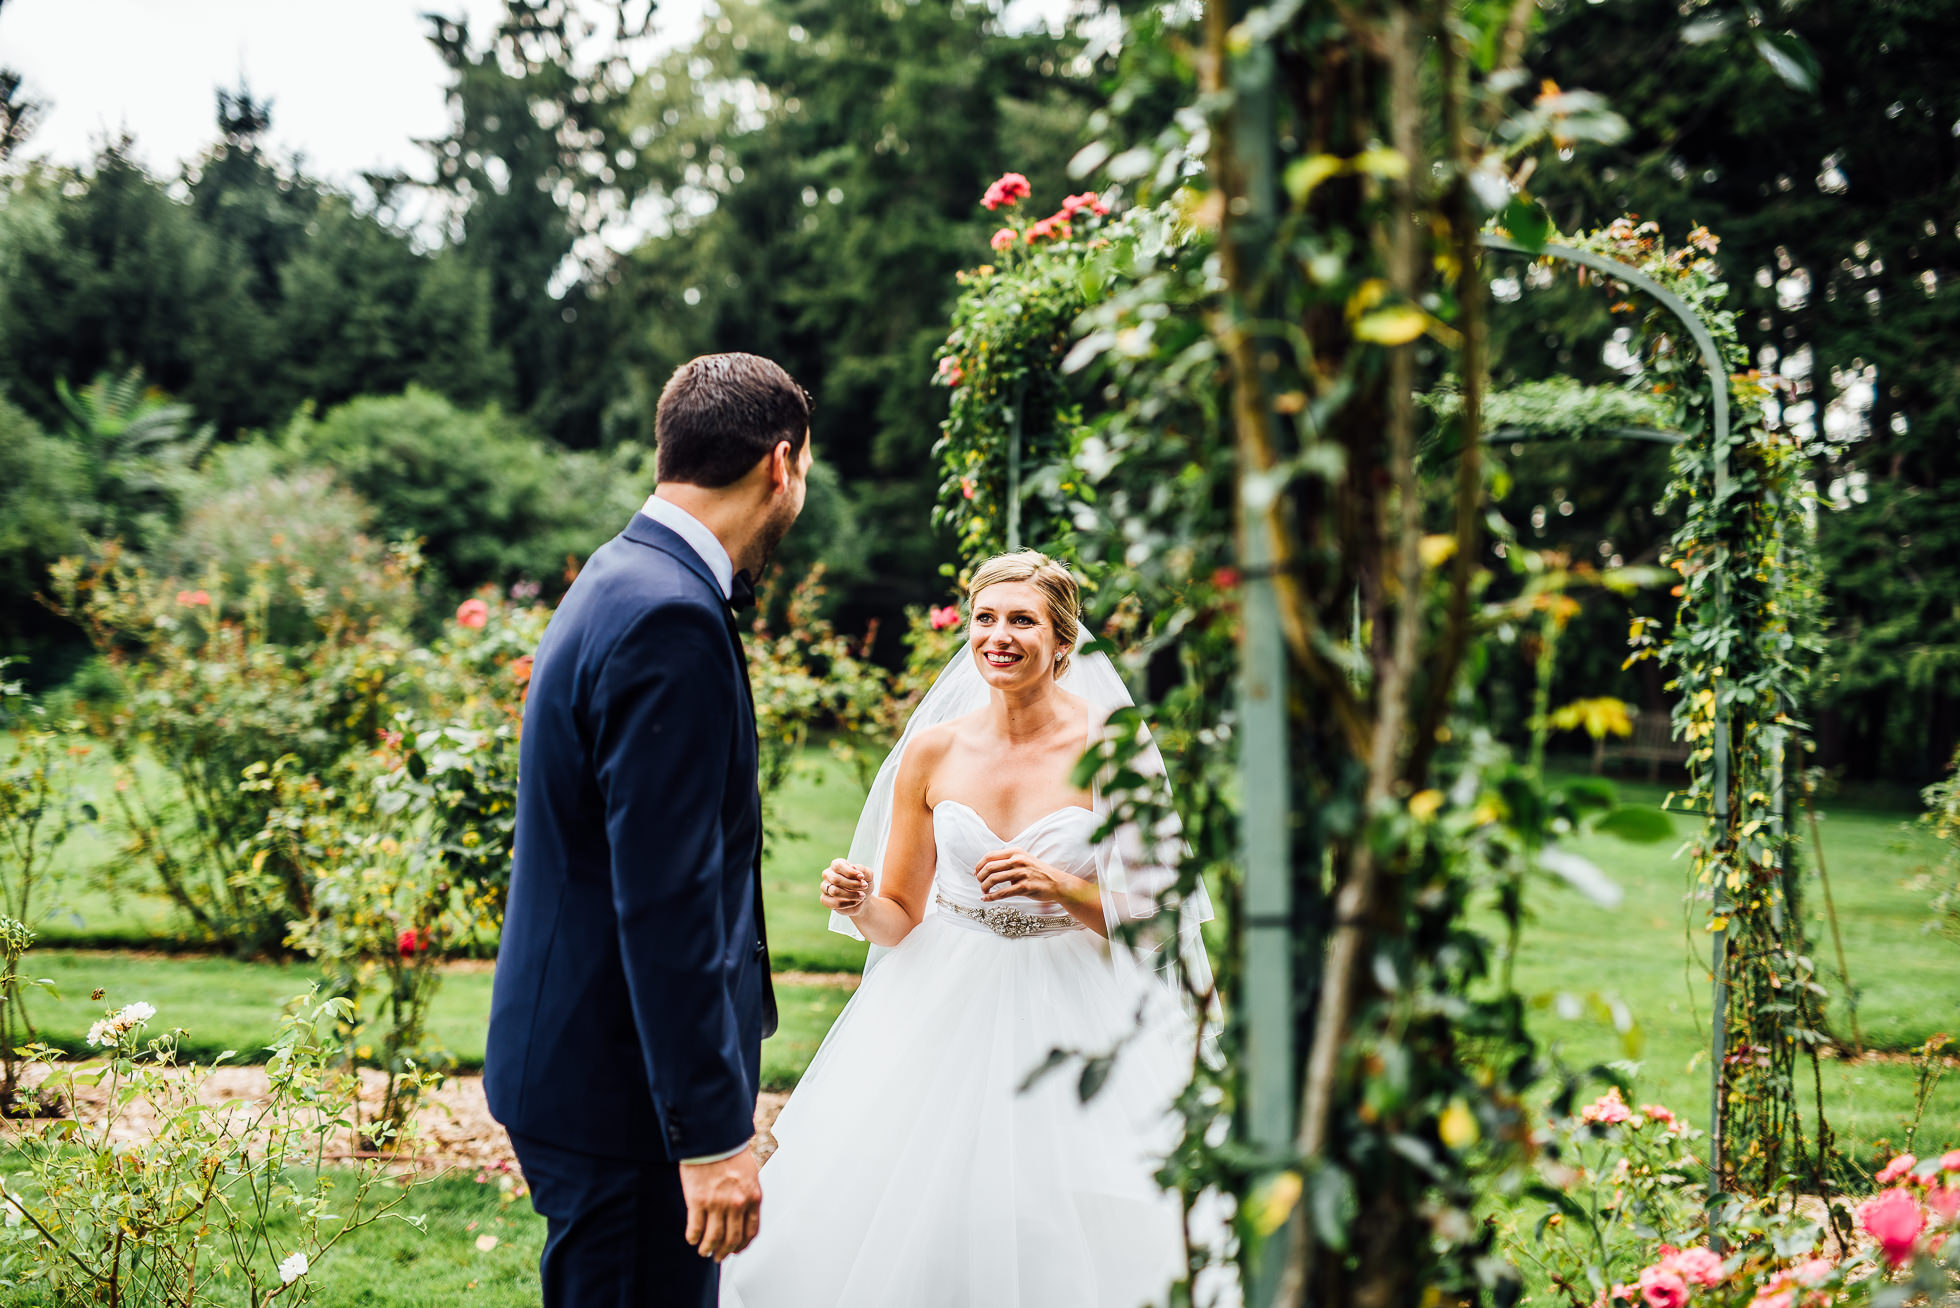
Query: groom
[632,989]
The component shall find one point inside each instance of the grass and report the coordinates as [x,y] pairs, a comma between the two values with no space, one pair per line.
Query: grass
[1651,954]
[392,1264]
[810,823]
[227,1004]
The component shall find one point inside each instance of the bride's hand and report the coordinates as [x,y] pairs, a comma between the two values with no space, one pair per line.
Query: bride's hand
[1015,872]
[846,888]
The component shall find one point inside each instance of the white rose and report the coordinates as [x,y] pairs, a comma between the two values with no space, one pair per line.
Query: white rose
[293,1268]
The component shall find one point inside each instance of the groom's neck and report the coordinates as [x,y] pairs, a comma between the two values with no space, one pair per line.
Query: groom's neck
[729,513]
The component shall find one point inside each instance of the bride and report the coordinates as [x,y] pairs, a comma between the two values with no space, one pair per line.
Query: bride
[914,1167]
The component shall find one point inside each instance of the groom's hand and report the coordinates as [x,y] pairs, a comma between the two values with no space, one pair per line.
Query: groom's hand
[724,1204]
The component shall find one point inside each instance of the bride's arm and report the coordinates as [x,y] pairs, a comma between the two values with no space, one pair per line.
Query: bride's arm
[910,854]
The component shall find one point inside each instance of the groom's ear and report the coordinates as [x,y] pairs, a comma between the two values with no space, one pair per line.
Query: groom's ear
[787,465]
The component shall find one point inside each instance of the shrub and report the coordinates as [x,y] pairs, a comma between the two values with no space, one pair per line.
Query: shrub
[298,536]
[1625,1222]
[207,695]
[41,492]
[40,807]
[179,1215]
[491,502]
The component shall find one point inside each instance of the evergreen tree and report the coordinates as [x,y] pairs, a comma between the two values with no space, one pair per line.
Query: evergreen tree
[820,167]
[1837,197]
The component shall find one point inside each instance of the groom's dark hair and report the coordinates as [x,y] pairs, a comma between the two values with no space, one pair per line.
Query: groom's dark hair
[721,413]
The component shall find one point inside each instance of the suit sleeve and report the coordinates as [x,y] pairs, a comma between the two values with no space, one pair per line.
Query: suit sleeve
[663,703]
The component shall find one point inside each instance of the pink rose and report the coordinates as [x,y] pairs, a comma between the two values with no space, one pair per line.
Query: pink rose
[196,599]
[1944,1201]
[1656,1113]
[1700,1265]
[1950,1162]
[1662,1288]
[1814,1272]
[1894,1219]
[1002,239]
[966,487]
[1011,187]
[942,618]
[1089,200]
[950,371]
[1606,1110]
[473,613]
[1895,1169]
[1776,1294]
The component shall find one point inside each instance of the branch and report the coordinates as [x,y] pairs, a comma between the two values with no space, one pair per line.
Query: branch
[1475,367]
[1355,899]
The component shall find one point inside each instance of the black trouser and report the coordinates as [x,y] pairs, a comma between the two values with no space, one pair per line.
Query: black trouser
[616,1232]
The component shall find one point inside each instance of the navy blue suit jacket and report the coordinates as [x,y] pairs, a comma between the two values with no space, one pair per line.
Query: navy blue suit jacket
[632,988]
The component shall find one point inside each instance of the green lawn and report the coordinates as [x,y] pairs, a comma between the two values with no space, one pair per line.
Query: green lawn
[393,1265]
[811,824]
[227,1004]
[1651,955]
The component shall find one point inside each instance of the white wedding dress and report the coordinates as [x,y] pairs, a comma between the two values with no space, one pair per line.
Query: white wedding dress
[912,1172]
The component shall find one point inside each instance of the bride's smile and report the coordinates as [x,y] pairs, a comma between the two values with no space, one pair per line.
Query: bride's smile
[1010,635]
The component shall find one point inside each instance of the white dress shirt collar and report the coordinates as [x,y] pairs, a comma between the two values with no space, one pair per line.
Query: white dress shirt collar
[702,541]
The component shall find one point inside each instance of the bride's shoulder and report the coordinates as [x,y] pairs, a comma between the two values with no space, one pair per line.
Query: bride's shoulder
[932,742]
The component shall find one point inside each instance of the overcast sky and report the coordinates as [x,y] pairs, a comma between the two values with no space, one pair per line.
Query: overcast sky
[353,83]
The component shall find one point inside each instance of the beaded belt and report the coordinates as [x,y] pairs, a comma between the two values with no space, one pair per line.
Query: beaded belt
[1011,922]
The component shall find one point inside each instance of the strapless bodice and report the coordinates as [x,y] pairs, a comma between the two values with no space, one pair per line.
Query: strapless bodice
[1060,838]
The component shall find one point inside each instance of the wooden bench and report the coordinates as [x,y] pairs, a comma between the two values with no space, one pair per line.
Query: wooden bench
[1652,742]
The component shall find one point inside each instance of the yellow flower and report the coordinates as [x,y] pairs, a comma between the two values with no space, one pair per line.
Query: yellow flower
[1424,803]
[1458,1125]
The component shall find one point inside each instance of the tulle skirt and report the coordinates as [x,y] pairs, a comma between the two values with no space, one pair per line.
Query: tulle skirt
[911,1172]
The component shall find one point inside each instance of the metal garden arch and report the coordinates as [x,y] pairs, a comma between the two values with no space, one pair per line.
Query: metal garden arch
[1271,1095]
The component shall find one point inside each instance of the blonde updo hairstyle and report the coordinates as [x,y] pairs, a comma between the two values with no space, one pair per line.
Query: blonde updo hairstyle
[1056,584]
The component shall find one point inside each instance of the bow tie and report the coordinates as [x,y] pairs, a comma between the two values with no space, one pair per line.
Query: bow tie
[741,592]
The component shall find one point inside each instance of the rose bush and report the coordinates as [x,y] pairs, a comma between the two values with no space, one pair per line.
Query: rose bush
[176,1214]
[1624,1222]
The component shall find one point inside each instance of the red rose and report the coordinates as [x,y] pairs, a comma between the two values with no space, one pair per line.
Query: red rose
[408,942]
[1011,187]
[1088,200]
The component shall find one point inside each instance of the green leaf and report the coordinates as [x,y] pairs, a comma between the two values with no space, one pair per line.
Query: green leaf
[1589,792]
[1331,1204]
[1638,823]
[1528,223]
[1583,875]
[1396,324]
[1095,1072]
[1056,1057]
[1309,171]
[1789,58]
